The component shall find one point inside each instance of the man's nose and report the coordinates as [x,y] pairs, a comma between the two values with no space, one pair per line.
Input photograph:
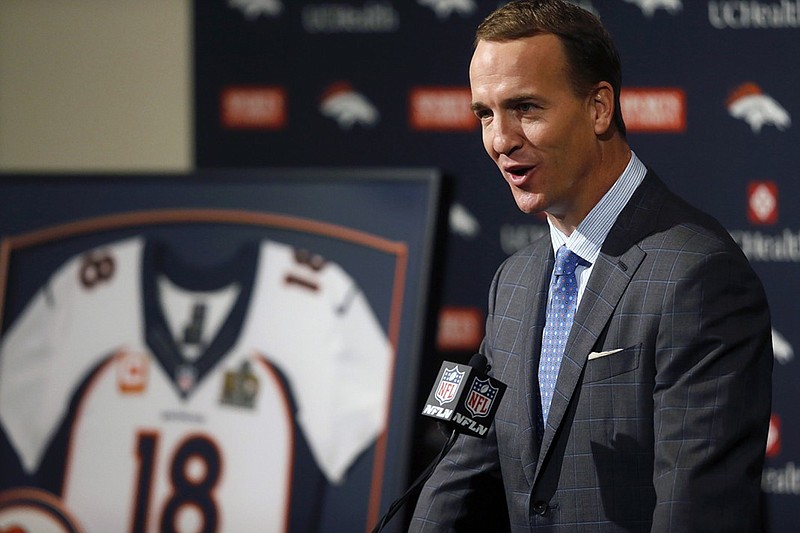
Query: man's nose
[506,136]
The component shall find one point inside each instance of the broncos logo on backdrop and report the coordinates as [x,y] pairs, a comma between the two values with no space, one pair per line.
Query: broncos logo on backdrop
[348,107]
[749,103]
[649,7]
[253,9]
[462,222]
[444,8]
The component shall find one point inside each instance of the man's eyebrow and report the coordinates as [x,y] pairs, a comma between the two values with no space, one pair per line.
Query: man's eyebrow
[511,102]
[515,100]
[477,106]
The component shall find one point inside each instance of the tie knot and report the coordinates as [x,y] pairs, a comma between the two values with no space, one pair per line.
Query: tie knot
[567,261]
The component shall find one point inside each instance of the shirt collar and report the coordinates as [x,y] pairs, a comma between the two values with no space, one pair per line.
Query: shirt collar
[588,237]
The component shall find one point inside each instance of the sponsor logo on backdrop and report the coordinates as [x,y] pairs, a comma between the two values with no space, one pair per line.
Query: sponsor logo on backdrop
[762,209]
[782,478]
[462,222]
[739,14]
[783,247]
[515,237]
[774,436]
[779,478]
[649,7]
[254,107]
[459,329]
[445,8]
[654,110]
[749,103]
[372,17]
[441,109]
[762,202]
[781,348]
[253,9]
[341,103]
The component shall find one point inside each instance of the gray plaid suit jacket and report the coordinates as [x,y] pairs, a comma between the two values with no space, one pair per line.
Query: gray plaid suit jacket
[662,428]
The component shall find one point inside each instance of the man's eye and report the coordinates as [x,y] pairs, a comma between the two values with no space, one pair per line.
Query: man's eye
[527,107]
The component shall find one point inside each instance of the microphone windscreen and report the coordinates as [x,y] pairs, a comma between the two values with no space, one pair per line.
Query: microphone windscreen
[478,361]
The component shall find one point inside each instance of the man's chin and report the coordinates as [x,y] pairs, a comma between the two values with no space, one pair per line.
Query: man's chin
[530,207]
[529,203]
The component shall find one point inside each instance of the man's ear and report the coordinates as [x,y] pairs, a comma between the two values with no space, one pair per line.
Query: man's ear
[602,106]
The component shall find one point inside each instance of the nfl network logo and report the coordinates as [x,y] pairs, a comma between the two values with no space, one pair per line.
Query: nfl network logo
[448,386]
[480,398]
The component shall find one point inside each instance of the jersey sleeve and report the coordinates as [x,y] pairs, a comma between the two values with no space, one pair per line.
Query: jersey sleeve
[337,358]
[360,389]
[61,334]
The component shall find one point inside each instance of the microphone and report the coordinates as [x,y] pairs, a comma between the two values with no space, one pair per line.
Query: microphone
[463,398]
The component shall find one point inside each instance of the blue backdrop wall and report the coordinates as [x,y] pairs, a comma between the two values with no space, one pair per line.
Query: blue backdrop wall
[711,98]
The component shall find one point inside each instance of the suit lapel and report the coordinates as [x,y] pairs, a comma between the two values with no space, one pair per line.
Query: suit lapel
[618,261]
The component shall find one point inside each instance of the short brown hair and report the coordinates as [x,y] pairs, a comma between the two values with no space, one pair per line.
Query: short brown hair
[591,54]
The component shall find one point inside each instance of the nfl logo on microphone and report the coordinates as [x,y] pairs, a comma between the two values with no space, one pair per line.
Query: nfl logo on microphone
[448,385]
[480,398]
[467,400]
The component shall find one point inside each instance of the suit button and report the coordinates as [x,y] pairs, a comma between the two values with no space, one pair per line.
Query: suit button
[540,508]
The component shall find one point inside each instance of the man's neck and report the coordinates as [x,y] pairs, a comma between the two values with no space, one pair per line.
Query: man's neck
[613,159]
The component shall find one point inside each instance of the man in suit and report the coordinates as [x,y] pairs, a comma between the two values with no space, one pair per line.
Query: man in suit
[653,416]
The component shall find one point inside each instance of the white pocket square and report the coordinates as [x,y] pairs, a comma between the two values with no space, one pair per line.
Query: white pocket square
[598,355]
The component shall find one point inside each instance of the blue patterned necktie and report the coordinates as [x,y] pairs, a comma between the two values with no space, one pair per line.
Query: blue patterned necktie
[560,313]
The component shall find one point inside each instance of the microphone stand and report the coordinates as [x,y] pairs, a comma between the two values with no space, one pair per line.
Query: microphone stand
[423,477]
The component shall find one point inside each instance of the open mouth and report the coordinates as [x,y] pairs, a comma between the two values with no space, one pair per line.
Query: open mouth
[517,174]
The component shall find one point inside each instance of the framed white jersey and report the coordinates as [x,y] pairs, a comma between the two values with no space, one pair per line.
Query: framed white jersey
[224,350]
[150,395]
